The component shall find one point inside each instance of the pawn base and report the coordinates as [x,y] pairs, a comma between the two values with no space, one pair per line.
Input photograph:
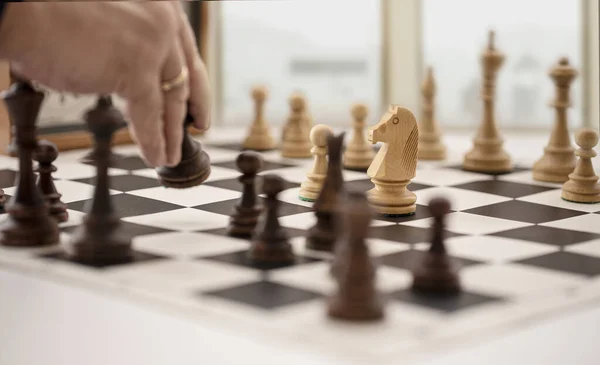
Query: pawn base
[279,252]
[93,245]
[360,311]
[552,172]
[573,193]
[259,142]
[188,173]
[392,199]
[28,228]
[488,157]
[437,276]
[243,222]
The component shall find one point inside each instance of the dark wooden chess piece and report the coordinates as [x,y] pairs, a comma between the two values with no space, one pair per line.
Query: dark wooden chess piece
[45,154]
[194,167]
[323,234]
[99,239]
[357,297]
[29,222]
[437,273]
[113,159]
[270,244]
[12,148]
[245,216]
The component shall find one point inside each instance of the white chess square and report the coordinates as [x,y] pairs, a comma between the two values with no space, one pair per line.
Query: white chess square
[553,198]
[197,195]
[183,277]
[526,177]
[377,247]
[75,219]
[219,154]
[73,171]
[71,191]
[216,173]
[308,219]
[186,219]
[589,248]
[466,223]
[460,199]
[291,196]
[515,280]
[298,174]
[447,177]
[491,249]
[187,244]
[586,223]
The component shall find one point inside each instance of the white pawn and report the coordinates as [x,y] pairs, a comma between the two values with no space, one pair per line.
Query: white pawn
[359,153]
[259,137]
[582,186]
[311,187]
[296,141]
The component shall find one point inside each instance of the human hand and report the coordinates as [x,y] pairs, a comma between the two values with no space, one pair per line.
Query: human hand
[123,48]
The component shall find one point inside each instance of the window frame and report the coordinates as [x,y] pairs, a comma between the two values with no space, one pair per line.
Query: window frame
[401,76]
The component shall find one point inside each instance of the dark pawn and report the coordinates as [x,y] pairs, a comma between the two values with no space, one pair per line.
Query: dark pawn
[99,240]
[270,245]
[194,167]
[357,298]
[245,216]
[92,156]
[45,154]
[28,222]
[437,273]
[323,234]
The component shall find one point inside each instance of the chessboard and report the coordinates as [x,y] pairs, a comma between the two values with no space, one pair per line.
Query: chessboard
[525,254]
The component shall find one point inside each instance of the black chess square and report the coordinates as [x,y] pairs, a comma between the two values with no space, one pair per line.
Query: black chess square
[410,259]
[525,212]
[446,304]
[569,262]
[548,235]
[240,258]
[515,169]
[130,230]
[265,295]
[405,234]
[137,258]
[266,166]
[126,182]
[7,178]
[234,184]
[226,207]
[126,205]
[503,188]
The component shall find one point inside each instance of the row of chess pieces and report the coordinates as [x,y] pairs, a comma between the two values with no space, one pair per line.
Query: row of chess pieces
[423,141]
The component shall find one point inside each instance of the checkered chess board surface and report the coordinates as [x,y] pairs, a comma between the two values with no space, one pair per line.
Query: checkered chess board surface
[525,253]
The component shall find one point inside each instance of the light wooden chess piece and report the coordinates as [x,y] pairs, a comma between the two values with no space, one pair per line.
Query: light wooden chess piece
[259,137]
[488,154]
[296,139]
[311,187]
[395,164]
[559,159]
[359,153]
[430,143]
[582,186]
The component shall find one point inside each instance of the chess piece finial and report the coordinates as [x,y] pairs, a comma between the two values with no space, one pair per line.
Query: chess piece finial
[105,102]
[259,137]
[100,239]
[357,297]
[359,153]
[245,216]
[488,154]
[582,186]
[558,160]
[29,222]
[296,132]
[45,154]
[311,187]
[430,143]
[194,167]
[395,164]
[437,273]
[323,234]
[270,245]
